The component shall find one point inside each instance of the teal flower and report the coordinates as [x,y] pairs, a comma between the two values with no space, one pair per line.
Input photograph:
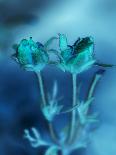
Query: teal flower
[78,57]
[31,56]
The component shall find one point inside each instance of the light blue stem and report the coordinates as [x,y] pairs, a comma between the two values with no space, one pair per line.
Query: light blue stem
[41,89]
[93,85]
[73,119]
[52,132]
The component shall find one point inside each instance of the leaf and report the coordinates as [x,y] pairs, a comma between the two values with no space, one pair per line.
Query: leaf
[104,65]
[51,110]
[59,109]
[36,133]
[28,136]
[53,150]
[35,141]
[70,109]
[83,110]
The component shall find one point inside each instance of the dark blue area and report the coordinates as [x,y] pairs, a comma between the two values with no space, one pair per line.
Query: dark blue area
[20,100]
[20,104]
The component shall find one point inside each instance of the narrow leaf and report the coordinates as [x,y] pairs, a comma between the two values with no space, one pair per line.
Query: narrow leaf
[104,65]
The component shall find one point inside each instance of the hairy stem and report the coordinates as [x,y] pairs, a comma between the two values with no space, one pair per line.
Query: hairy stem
[44,102]
[73,117]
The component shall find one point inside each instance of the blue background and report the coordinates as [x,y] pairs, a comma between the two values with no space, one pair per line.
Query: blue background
[19,90]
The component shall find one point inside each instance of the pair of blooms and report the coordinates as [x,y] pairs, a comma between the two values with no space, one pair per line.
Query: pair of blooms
[33,56]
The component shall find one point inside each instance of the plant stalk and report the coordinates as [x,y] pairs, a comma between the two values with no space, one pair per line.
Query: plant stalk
[41,89]
[44,102]
[92,87]
[90,94]
[73,117]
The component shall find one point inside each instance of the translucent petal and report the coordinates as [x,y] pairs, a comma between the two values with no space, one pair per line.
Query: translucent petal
[63,42]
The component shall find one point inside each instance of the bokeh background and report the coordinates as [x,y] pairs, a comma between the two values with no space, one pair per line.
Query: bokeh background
[19,90]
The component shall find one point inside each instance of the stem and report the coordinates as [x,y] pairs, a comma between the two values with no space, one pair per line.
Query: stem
[73,119]
[91,90]
[41,89]
[52,132]
[93,85]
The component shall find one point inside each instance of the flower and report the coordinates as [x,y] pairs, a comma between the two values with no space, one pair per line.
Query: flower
[78,57]
[30,55]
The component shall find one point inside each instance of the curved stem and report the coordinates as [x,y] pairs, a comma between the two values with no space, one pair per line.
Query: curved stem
[44,102]
[73,118]
[90,94]
[91,90]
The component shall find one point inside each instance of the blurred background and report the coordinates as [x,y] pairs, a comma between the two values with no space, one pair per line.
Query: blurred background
[19,90]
